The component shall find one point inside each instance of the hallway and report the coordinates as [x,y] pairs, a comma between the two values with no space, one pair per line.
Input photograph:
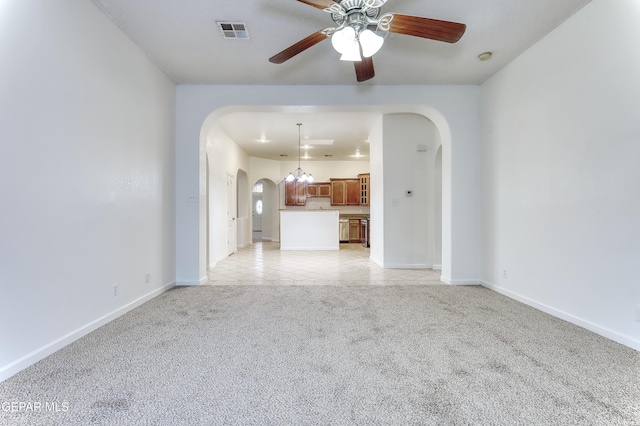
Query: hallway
[263,263]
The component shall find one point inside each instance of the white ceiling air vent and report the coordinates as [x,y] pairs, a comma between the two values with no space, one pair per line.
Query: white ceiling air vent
[234,30]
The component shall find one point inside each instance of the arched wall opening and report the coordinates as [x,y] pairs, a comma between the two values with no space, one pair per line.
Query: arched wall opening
[431,114]
[265,221]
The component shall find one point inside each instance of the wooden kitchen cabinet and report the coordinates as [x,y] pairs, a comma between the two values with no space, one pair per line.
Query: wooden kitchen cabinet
[295,193]
[354,231]
[364,188]
[324,189]
[353,192]
[319,190]
[338,192]
[345,192]
[312,190]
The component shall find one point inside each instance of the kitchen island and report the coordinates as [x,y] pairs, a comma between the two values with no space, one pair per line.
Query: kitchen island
[309,230]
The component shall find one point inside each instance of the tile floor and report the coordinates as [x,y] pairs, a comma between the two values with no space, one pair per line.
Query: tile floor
[262,263]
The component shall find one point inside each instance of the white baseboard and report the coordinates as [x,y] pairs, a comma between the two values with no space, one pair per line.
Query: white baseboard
[376,261]
[437,267]
[48,349]
[187,283]
[602,331]
[450,281]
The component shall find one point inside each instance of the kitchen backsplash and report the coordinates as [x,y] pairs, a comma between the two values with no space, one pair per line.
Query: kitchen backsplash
[325,204]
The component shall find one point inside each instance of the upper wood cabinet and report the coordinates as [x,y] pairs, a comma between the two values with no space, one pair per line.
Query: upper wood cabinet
[345,192]
[353,192]
[338,192]
[312,190]
[364,188]
[295,193]
[324,189]
[319,189]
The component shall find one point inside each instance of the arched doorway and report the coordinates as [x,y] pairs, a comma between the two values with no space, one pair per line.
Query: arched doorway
[378,210]
[264,205]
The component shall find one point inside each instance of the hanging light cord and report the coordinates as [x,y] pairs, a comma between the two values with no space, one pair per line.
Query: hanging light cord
[299,124]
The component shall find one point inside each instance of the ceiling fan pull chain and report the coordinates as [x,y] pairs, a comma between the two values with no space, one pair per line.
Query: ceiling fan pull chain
[384,23]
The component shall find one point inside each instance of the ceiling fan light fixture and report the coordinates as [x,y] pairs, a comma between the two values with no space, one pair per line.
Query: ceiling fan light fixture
[346,43]
[343,40]
[352,55]
[370,42]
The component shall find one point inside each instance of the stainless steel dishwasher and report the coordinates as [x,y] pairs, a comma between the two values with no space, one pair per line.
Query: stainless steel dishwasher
[344,230]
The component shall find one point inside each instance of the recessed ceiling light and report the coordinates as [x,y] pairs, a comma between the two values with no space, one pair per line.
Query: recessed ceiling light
[485,56]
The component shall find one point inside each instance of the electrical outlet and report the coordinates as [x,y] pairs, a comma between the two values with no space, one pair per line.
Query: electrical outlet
[638,313]
[147,278]
[115,290]
[504,273]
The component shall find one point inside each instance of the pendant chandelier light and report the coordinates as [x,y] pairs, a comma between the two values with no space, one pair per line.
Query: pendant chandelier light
[299,175]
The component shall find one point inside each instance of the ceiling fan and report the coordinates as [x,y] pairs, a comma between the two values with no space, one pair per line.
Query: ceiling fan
[360,29]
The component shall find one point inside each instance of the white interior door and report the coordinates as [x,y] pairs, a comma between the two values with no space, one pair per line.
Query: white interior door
[231,216]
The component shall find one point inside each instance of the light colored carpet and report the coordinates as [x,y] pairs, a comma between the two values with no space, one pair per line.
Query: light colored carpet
[428,355]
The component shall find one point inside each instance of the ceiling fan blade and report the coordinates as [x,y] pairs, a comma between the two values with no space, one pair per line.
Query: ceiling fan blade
[299,47]
[364,69]
[326,5]
[433,29]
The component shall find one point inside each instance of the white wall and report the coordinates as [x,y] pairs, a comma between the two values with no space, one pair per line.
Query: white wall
[260,168]
[86,176]
[562,182]
[409,219]
[243,200]
[437,222]
[225,158]
[454,110]
[376,202]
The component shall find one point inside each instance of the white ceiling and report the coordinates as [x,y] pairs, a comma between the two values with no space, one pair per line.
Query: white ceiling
[349,132]
[182,38]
